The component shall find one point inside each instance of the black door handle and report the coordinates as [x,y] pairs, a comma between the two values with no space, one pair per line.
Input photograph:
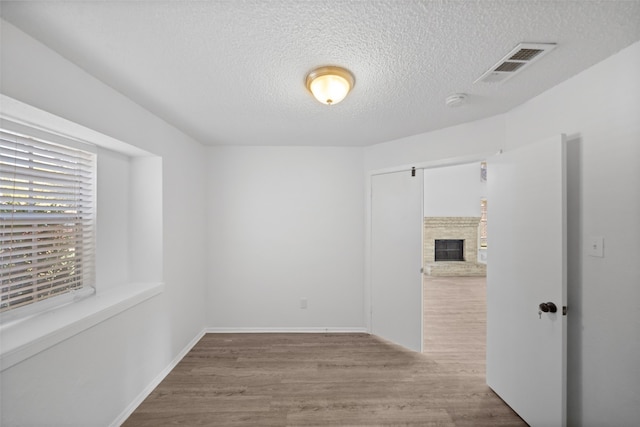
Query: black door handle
[548,307]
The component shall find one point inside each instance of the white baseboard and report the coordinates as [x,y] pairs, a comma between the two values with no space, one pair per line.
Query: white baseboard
[156,381]
[303,330]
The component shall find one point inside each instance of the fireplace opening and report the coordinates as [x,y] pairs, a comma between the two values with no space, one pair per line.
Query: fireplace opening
[449,250]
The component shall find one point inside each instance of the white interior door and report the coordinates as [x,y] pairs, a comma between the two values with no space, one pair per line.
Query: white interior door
[396,252]
[526,218]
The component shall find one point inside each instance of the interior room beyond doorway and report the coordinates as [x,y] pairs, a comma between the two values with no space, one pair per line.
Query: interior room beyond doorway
[455,319]
[454,291]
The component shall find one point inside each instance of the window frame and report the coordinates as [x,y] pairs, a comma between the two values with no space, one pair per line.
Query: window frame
[28,335]
[32,151]
[482,228]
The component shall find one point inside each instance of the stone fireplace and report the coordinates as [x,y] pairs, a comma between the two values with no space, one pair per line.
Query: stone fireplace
[456,246]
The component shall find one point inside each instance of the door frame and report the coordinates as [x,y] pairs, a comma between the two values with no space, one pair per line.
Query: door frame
[433,164]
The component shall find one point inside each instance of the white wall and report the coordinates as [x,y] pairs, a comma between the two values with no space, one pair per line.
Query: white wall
[112,237]
[453,190]
[119,357]
[129,228]
[285,223]
[599,110]
[474,139]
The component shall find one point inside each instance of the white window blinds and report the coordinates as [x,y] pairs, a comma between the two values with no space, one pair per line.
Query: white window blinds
[46,220]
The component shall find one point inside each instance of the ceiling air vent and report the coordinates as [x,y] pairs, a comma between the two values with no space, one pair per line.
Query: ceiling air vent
[515,61]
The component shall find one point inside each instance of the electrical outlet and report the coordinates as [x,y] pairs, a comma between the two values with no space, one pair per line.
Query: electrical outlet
[303,303]
[595,246]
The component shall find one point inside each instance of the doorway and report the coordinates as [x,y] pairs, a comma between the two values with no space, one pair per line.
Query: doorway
[454,283]
[397,245]
[526,345]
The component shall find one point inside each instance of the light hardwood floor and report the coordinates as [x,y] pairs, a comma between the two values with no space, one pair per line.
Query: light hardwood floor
[336,379]
[455,320]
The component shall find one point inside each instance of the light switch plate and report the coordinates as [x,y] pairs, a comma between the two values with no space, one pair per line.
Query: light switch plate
[595,246]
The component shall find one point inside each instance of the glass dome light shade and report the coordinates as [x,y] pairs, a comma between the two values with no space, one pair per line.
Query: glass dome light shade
[330,85]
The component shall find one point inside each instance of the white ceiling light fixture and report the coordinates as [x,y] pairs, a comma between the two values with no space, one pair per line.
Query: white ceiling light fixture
[330,84]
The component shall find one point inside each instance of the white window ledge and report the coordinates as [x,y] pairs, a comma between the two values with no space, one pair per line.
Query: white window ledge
[24,339]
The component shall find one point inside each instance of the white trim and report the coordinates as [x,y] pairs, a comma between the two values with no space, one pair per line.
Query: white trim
[26,338]
[124,415]
[26,115]
[291,330]
[20,314]
[433,164]
[31,131]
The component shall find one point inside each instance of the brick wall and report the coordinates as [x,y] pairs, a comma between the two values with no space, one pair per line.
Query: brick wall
[464,228]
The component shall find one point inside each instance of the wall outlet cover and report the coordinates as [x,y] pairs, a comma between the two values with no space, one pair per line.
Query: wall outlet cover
[595,246]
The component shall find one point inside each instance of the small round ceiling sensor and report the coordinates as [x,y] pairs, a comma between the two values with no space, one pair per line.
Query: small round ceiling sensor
[455,100]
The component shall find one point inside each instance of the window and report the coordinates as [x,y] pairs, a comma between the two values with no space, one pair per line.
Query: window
[483,223]
[48,175]
[46,220]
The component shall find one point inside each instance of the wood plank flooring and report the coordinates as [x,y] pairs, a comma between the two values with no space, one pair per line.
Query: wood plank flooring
[329,380]
[455,320]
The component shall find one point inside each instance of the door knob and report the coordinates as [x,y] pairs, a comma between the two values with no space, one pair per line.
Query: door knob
[548,307]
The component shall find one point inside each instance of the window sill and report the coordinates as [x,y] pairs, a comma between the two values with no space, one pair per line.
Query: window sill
[21,340]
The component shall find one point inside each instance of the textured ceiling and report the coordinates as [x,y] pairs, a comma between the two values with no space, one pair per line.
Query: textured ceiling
[232,72]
